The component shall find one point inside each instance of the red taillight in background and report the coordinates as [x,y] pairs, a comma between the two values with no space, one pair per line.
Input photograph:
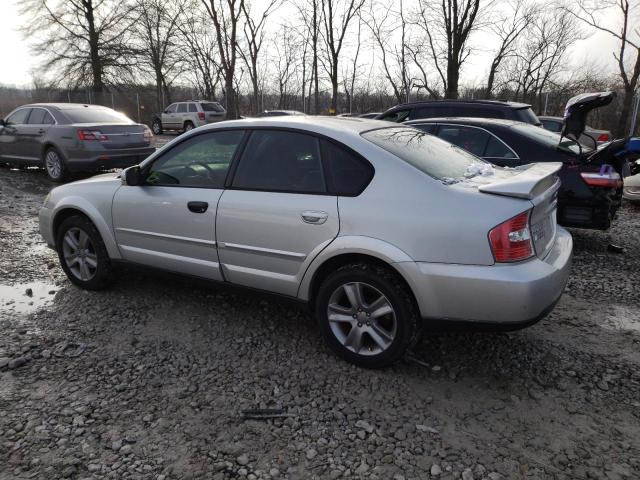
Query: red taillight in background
[92,135]
[511,240]
[606,180]
[148,135]
[201,115]
[604,137]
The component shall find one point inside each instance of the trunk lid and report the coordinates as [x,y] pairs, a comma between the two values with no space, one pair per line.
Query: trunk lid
[538,183]
[118,136]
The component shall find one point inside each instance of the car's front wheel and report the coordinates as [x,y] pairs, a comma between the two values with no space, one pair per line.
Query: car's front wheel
[54,165]
[156,127]
[367,315]
[82,253]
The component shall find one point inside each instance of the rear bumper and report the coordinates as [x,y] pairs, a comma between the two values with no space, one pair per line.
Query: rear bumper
[107,159]
[510,295]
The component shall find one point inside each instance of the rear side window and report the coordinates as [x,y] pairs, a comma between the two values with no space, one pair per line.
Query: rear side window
[526,115]
[433,156]
[193,108]
[348,174]
[212,107]
[472,140]
[95,115]
[19,117]
[182,108]
[281,161]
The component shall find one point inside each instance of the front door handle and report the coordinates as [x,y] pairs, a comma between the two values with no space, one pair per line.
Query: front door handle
[198,207]
[314,217]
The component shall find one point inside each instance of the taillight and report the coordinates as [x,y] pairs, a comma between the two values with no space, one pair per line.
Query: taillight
[604,137]
[148,135]
[201,115]
[511,240]
[604,179]
[92,135]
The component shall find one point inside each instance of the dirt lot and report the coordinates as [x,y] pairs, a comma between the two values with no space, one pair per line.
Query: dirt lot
[147,380]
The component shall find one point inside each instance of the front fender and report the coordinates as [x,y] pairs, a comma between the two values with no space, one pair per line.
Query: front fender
[351,244]
[100,216]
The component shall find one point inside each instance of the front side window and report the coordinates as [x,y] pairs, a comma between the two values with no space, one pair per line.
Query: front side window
[171,108]
[182,108]
[200,161]
[19,117]
[435,157]
[472,140]
[281,161]
[193,108]
[39,116]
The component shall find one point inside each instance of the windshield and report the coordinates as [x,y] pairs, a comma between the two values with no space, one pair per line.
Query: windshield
[212,107]
[548,138]
[433,156]
[95,115]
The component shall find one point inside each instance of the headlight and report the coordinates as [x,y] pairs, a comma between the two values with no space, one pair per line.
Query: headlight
[46,199]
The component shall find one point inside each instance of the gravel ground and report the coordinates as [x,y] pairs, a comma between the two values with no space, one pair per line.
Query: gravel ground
[148,379]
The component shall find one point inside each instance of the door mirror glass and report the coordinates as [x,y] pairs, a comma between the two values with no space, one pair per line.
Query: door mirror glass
[131,176]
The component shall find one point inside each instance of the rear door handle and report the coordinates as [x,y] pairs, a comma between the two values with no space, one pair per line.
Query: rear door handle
[198,207]
[314,217]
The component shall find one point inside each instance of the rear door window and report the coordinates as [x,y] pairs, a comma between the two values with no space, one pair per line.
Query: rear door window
[19,117]
[473,140]
[182,108]
[281,161]
[497,149]
[349,174]
[552,125]
[193,108]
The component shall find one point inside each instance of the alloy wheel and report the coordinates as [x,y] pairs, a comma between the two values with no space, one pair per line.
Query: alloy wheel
[362,318]
[80,254]
[156,128]
[53,164]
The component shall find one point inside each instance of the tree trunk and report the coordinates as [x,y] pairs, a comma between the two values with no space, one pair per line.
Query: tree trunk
[453,76]
[627,110]
[334,91]
[232,103]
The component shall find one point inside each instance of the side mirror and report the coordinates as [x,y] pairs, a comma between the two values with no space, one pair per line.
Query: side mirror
[132,176]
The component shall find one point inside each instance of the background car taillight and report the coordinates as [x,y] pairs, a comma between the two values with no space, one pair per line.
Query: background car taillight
[148,135]
[511,240]
[604,137]
[606,180]
[201,115]
[92,135]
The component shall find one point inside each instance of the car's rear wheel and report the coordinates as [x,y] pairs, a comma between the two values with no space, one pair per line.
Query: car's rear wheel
[82,253]
[188,126]
[367,315]
[54,165]
[156,127]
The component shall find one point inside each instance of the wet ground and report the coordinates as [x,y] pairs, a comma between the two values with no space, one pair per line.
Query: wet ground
[147,380]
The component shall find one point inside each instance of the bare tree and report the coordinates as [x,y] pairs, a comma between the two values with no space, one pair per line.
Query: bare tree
[385,23]
[157,34]
[254,37]
[349,77]
[286,62]
[310,13]
[225,15]
[86,41]
[508,30]
[335,19]
[447,26]
[628,55]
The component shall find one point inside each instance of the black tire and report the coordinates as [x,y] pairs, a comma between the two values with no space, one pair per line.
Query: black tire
[102,275]
[188,125]
[50,158]
[156,127]
[390,285]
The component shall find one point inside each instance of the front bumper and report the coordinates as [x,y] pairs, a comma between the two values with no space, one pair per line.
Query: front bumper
[631,193]
[510,295]
[108,159]
[45,217]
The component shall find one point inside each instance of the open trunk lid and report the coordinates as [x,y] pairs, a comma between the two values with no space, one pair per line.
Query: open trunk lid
[538,183]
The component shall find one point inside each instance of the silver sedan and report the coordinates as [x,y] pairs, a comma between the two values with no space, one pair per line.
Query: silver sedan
[381,229]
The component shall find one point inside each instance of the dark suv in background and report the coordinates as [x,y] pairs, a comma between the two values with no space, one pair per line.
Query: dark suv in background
[461,108]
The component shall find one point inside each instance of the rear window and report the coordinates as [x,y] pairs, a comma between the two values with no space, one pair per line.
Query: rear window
[212,107]
[526,115]
[433,156]
[545,137]
[95,115]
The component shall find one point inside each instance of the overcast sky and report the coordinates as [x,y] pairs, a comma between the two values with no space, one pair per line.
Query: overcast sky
[17,62]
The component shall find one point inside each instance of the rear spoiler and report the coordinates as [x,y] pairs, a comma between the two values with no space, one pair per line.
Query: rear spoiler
[528,184]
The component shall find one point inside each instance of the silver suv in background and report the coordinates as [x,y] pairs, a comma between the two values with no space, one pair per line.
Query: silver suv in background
[184,116]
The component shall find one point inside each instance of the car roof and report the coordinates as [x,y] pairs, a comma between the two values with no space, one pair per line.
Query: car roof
[65,106]
[502,103]
[469,120]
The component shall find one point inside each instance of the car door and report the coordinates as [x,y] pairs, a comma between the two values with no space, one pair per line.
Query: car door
[181,115]
[170,220]
[12,135]
[34,133]
[169,116]
[276,216]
